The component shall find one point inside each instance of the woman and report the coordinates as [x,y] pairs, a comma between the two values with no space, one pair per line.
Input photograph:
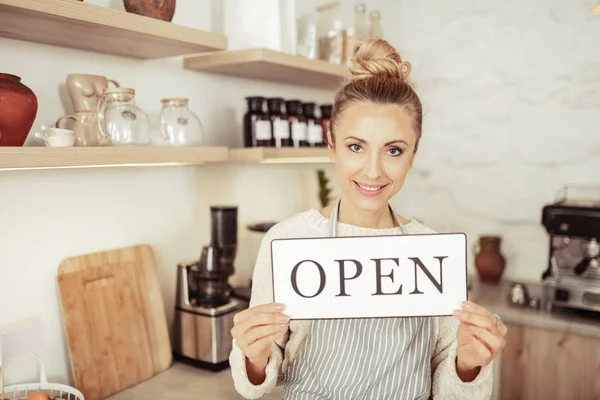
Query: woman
[374,136]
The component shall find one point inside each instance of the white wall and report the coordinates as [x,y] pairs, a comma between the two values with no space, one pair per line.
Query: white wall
[511,94]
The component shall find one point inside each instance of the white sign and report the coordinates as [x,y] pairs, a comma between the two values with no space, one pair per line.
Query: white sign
[373,276]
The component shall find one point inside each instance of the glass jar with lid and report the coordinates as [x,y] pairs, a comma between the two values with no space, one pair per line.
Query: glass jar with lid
[179,126]
[121,121]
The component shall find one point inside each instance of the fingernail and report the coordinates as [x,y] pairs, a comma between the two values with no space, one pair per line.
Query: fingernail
[284,318]
[466,305]
[279,307]
[283,325]
[458,313]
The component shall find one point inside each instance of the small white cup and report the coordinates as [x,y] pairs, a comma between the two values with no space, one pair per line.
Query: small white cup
[56,131]
[60,141]
[56,137]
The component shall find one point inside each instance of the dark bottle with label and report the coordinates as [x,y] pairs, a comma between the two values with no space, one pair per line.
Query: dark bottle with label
[279,123]
[257,125]
[313,125]
[297,123]
[326,111]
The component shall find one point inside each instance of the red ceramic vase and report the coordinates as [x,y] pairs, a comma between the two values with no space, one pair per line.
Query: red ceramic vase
[489,261]
[158,9]
[18,109]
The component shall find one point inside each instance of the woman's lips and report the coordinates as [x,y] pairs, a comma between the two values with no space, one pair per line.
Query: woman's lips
[369,190]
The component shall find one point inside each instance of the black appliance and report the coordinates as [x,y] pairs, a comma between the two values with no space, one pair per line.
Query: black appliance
[204,307]
[572,276]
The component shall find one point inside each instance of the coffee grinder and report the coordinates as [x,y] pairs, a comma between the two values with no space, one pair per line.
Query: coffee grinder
[204,307]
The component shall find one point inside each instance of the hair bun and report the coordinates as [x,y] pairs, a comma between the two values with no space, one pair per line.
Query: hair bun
[377,58]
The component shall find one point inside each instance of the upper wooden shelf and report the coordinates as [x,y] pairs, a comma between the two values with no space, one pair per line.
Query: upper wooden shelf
[269,65]
[272,155]
[78,25]
[22,158]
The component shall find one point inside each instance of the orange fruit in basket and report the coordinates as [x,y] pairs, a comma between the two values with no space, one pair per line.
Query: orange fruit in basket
[38,396]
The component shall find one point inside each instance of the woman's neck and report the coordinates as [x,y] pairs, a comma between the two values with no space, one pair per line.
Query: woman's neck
[380,219]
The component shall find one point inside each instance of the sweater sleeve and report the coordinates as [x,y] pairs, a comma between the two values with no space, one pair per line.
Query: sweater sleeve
[446,384]
[262,293]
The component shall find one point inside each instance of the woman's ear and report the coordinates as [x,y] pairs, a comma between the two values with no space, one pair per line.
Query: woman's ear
[330,147]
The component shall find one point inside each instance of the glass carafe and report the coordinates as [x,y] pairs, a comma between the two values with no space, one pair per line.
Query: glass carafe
[120,121]
[178,125]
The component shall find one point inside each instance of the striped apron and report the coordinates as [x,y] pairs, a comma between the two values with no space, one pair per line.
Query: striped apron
[372,358]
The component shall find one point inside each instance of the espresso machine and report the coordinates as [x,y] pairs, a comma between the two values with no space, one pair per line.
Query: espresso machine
[572,277]
[205,307]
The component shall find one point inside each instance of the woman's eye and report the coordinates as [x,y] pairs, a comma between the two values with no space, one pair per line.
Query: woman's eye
[395,151]
[355,147]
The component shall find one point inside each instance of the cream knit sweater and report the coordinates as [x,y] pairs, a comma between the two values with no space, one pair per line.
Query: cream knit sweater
[444,382]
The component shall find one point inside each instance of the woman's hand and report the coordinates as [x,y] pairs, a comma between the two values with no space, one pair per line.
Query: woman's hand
[480,339]
[254,329]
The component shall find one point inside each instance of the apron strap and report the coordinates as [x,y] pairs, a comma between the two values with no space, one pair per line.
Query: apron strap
[333,219]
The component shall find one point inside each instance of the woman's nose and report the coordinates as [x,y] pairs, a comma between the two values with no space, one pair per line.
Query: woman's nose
[373,168]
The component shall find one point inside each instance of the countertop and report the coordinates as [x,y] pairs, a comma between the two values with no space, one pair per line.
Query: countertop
[184,382]
[495,299]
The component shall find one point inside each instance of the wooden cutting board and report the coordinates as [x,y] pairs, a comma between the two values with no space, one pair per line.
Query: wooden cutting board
[114,319]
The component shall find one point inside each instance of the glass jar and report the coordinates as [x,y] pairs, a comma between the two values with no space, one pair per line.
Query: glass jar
[313,125]
[297,123]
[257,124]
[279,123]
[179,126]
[326,111]
[120,121]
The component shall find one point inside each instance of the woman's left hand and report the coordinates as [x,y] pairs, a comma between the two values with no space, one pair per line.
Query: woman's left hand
[480,337]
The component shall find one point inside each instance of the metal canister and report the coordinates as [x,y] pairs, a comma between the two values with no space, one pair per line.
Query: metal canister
[518,295]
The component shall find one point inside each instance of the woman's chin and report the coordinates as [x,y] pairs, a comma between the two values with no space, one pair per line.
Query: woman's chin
[370,203]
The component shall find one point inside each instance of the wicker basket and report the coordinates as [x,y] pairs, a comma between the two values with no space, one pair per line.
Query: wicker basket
[54,390]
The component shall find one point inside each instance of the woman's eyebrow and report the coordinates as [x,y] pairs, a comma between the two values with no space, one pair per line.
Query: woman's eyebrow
[387,144]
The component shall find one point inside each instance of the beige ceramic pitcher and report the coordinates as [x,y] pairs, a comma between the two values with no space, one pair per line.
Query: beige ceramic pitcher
[84,126]
[85,90]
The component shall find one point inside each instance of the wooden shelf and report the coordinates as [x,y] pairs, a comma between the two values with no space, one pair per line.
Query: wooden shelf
[78,25]
[269,155]
[26,158]
[269,65]
[23,158]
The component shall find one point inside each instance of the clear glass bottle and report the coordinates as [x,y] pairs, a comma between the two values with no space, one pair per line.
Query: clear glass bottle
[120,121]
[179,126]
[361,28]
[376,30]
[354,34]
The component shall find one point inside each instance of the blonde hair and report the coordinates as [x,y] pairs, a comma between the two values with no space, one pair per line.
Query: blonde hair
[377,75]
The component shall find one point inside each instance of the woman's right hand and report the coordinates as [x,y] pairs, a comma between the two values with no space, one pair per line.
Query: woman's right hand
[255,328]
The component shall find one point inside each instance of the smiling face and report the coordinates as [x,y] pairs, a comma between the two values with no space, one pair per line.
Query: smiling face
[374,150]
